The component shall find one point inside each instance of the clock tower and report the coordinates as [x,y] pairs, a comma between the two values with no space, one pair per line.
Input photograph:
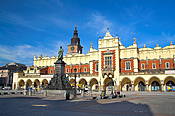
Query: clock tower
[75,47]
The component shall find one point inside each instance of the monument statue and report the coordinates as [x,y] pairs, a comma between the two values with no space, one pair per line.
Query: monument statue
[60,53]
[59,80]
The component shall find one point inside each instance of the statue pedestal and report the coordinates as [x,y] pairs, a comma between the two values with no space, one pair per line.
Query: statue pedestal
[59,80]
[59,67]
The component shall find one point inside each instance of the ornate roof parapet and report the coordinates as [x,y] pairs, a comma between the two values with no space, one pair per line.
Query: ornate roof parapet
[34,58]
[134,44]
[108,35]
[157,46]
[171,43]
[170,46]
[91,48]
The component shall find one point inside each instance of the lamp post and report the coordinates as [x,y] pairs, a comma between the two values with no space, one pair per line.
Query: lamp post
[75,91]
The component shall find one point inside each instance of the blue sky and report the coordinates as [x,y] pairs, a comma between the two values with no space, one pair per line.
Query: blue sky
[35,27]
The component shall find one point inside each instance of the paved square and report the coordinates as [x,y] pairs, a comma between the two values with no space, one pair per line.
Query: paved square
[147,105]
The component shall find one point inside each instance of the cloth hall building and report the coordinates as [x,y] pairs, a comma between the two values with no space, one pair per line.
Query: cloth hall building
[111,65]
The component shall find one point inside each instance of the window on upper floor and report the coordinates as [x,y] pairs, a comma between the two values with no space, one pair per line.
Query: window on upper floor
[143,66]
[34,70]
[96,67]
[167,65]
[128,65]
[67,70]
[108,61]
[85,69]
[153,65]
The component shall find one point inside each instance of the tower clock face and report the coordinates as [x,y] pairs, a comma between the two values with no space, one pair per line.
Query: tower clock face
[72,48]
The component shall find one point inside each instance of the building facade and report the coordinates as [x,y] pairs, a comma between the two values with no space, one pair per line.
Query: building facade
[6,73]
[114,65]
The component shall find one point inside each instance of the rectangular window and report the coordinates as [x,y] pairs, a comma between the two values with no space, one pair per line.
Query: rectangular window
[153,65]
[143,66]
[128,65]
[96,67]
[167,65]
[85,69]
[108,61]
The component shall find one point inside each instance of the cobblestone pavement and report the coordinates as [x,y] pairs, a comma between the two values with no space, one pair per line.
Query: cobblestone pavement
[145,105]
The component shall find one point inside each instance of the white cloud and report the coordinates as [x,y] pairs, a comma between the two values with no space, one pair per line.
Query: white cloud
[24,53]
[99,22]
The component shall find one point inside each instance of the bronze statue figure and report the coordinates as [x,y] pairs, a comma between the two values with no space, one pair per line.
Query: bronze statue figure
[60,53]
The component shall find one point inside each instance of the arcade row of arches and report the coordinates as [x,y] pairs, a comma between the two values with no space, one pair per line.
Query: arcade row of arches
[139,84]
[126,84]
[32,84]
[82,83]
[153,84]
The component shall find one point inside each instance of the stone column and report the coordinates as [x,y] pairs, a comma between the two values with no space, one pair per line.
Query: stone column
[163,87]
[147,87]
[32,85]
[25,85]
[132,87]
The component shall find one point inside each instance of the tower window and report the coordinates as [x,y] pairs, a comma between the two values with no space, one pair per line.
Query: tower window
[153,65]
[128,65]
[167,65]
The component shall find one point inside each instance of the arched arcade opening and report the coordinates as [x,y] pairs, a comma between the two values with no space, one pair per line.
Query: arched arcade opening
[21,84]
[82,83]
[108,84]
[28,84]
[169,83]
[126,84]
[139,84]
[93,84]
[155,84]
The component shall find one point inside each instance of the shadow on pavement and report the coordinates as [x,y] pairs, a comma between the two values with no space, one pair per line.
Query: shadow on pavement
[18,106]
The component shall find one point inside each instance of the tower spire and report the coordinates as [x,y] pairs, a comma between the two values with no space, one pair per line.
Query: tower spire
[75,35]
[75,46]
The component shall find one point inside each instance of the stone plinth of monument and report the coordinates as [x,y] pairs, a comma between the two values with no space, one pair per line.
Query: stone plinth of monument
[59,84]
[59,80]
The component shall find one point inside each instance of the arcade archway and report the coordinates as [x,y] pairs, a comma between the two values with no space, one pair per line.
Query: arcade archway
[28,84]
[139,84]
[126,84]
[82,83]
[155,84]
[21,84]
[108,83]
[93,84]
[36,83]
[169,83]
[44,83]
[72,82]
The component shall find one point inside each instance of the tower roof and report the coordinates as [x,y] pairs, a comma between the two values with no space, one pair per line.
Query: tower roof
[75,39]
